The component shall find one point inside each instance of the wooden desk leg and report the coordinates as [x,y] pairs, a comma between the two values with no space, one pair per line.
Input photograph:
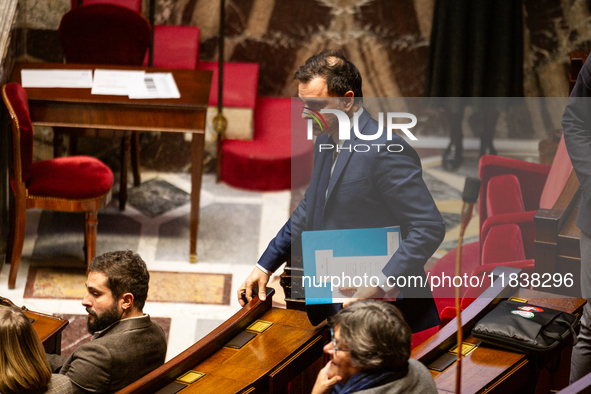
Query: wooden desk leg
[125,146]
[135,157]
[58,344]
[197,152]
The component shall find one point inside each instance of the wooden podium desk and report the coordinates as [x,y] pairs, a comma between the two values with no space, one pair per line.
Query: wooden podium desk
[49,329]
[266,364]
[78,108]
[489,369]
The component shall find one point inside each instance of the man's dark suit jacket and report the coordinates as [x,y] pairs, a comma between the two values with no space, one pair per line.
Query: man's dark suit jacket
[576,123]
[370,190]
[115,357]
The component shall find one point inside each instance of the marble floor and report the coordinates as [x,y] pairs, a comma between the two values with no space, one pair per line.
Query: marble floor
[235,228]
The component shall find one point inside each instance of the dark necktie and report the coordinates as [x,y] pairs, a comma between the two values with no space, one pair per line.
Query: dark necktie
[323,187]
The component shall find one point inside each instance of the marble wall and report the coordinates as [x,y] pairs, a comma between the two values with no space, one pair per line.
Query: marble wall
[387,39]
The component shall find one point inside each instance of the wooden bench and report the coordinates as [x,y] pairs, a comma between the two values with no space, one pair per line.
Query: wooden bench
[268,363]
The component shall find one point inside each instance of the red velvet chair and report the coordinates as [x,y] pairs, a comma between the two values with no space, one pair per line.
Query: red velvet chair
[270,161]
[483,271]
[175,47]
[503,201]
[503,246]
[239,154]
[73,184]
[106,34]
[511,193]
[134,5]
[241,82]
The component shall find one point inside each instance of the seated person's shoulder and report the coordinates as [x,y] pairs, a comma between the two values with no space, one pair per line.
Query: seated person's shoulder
[156,328]
[59,384]
[420,378]
[128,340]
[156,333]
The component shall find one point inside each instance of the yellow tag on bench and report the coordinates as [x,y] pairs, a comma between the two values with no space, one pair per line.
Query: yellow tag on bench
[259,326]
[190,377]
[467,348]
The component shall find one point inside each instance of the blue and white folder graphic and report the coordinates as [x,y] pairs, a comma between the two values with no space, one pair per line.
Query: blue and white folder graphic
[338,260]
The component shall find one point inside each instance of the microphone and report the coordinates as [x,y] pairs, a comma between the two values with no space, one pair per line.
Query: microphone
[469,197]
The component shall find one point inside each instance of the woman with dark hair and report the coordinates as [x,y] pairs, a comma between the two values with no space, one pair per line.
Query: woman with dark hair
[370,352]
[23,363]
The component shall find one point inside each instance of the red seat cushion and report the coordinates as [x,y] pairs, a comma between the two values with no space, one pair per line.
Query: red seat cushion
[525,221]
[532,177]
[503,195]
[422,336]
[503,243]
[445,268]
[134,5]
[447,315]
[270,162]
[72,178]
[176,47]
[241,83]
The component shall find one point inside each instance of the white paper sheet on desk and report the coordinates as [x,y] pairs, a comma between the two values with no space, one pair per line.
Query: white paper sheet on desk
[37,78]
[156,85]
[116,82]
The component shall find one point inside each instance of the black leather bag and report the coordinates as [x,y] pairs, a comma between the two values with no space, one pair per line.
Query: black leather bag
[526,328]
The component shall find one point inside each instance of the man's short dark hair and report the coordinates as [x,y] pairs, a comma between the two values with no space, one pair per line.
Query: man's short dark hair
[340,74]
[126,273]
[376,334]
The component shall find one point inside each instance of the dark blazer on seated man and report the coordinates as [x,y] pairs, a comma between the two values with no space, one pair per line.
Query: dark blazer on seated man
[115,357]
[126,344]
[367,189]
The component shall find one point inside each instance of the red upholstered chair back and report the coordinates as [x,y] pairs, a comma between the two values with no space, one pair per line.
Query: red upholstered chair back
[134,5]
[511,201]
[176,47]
[559,173]
[104,34]
[503,243]
[15,98]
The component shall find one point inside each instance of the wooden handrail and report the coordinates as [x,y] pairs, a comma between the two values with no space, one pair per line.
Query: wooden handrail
[556,217]
[550,223]
[201,350]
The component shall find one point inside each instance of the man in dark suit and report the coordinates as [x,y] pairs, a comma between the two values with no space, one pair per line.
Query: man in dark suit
[576,123]
[125,344]
[367,189]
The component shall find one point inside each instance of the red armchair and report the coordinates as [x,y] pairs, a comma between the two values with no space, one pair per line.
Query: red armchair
[74,184]
[502,202]
[101,33]
[175,47]
[502,246]
[134,5]
[511,192]
[104,34]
